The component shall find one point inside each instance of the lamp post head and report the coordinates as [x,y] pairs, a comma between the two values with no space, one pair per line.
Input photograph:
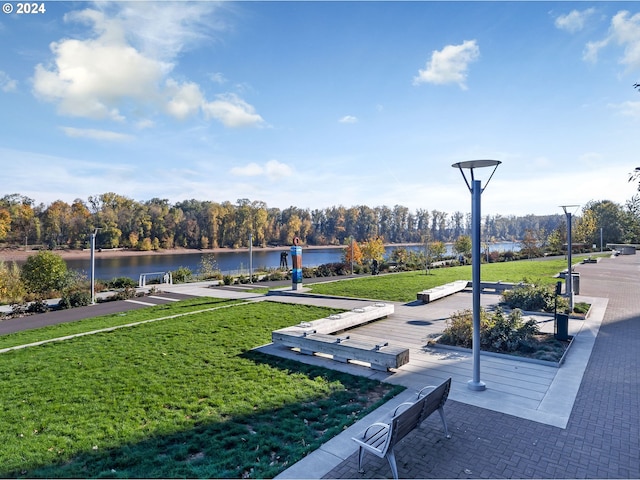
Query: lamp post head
[471,165]
[566,207]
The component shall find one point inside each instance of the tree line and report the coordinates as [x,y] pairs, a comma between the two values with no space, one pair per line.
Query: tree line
[121,222]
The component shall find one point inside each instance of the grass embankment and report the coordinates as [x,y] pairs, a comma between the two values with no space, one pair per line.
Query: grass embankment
[182,397]
[403,287]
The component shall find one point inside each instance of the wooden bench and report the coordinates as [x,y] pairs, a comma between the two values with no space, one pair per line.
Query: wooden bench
[316,338]
[380,438]
[343,348]
[442,291]
[498,287]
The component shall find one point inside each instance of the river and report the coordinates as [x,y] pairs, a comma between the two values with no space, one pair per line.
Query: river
[228,262]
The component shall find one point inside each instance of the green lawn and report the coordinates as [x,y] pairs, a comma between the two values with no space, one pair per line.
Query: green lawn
[106,321]
[181,397]
[403,287]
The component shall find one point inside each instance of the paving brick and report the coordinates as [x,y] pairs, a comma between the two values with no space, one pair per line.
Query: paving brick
[601,438]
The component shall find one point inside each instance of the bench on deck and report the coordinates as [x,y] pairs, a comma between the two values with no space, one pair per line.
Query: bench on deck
[381,438]
[316,337]
[436,293]
[454,287]
[380,355]
[497,287]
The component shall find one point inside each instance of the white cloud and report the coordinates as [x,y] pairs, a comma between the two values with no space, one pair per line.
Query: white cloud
[92,78]
[7,84]
[96,134]
[232,111]
[273,169]
[276,170]
[631,109]
[348,119]
[123,69]
[625,32]
[574,21]
[218,78]
[186,99]
[250,170]
[449,65]
[165,29]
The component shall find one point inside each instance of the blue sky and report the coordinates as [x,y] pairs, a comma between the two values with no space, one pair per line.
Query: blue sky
[316,104]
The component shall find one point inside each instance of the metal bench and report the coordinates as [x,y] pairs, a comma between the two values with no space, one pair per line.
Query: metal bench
[380,438]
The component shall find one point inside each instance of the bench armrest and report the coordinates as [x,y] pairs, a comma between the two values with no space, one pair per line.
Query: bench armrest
[400,408]
[422,392]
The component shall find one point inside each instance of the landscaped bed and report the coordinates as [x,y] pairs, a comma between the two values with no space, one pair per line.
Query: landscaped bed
[504,333]
[180,397]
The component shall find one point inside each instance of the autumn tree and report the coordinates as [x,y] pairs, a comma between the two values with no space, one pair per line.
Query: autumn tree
[530,244]
[462,245]
[5,223]
[437,250]
[373,249]
[352,253]
[12,289]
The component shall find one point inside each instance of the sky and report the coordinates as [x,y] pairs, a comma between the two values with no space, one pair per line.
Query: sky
[319,104]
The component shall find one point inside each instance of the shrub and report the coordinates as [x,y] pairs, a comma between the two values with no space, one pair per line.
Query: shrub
[122,282]
[459,329]
[533,298]
[125,294]
[77,298]
[44,272]
[181,275]
[581,307]
[498,332]
[276,275]
[38,306]
[227,279]
[508,333]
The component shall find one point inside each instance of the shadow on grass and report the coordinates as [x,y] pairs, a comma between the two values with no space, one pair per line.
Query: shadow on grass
[258,442]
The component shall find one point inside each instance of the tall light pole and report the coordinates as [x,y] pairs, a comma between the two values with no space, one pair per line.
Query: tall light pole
[476,189]
[251,258]
[600,239]
[93,266]
[569,279]
[351,249]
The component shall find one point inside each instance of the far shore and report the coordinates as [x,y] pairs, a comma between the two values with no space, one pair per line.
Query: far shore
[20,254]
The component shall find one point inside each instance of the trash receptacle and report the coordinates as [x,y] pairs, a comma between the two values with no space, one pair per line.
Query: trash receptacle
[575,283]
[562,326]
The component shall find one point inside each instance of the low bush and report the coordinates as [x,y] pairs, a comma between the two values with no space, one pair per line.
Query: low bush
[77,298]
[121,282]
[534,298]
[181,275]
[38,306]
[498,332]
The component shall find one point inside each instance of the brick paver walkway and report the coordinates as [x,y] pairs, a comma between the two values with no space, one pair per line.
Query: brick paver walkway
[602,439]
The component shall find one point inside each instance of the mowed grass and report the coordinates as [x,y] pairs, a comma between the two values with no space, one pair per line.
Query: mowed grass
[403,286]
[182,397]
[114,320]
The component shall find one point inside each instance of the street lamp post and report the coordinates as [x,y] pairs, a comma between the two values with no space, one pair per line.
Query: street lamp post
[351,249]
[569,279]
[93,266]
[251,258]
[476,189]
